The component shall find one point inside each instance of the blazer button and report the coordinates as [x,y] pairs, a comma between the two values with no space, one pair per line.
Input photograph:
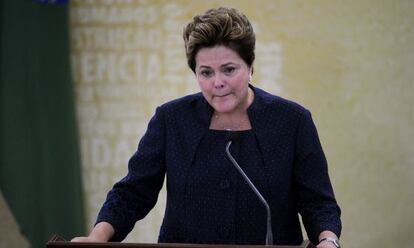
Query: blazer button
[224,184]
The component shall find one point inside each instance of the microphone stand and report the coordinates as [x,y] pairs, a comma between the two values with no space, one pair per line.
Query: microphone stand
[269,233]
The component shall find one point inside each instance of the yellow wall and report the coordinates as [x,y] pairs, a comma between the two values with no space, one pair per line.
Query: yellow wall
[349,62]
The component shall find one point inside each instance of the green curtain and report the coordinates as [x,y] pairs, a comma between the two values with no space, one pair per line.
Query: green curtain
[40,174]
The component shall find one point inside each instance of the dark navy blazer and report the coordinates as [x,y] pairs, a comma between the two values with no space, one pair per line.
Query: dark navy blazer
[294,164]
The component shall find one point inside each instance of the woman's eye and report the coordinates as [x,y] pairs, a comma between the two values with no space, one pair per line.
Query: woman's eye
[206,73]
[229,70]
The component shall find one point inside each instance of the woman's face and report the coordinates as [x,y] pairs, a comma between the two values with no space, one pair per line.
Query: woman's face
[223,78]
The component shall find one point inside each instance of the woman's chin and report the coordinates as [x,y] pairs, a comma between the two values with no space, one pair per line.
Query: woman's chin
[220,108]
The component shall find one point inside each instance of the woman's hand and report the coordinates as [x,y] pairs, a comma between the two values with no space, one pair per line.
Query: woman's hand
[102,232]
[326,243]
[86,239]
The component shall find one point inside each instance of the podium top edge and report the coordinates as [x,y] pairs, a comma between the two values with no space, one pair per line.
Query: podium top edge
[58,242]
[61,244]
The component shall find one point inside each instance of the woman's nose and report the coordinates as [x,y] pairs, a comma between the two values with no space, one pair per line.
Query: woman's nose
[218,82]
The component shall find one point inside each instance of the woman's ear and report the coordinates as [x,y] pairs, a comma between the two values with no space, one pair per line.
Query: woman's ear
[251,73]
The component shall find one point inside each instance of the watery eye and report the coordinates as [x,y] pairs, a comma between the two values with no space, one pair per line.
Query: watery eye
[229,70]
[206,73]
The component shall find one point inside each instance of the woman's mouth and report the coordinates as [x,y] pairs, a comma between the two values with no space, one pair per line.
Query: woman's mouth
[224,95]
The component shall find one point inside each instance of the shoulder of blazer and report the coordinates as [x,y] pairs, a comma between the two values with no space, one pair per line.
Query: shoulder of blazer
[189,107]
[187,103]
[267,105]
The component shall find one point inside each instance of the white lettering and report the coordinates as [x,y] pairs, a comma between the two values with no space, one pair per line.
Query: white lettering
[100,152]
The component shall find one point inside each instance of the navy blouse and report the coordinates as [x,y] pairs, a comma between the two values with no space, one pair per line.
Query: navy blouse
[247,224]
[207,200]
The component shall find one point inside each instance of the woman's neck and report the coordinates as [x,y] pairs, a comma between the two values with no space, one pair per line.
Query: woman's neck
[226,122]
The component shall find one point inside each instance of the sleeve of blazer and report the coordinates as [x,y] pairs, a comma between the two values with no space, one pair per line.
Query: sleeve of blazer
[136,194]
[316,200]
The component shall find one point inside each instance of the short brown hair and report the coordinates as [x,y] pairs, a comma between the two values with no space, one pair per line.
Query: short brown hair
[221,26]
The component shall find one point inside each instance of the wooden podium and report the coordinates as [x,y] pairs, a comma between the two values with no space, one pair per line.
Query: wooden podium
[58,242]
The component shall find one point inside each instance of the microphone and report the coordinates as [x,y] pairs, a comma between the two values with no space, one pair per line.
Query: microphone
[234,136]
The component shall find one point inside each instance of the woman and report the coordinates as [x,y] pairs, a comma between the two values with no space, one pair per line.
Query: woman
[207,199]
